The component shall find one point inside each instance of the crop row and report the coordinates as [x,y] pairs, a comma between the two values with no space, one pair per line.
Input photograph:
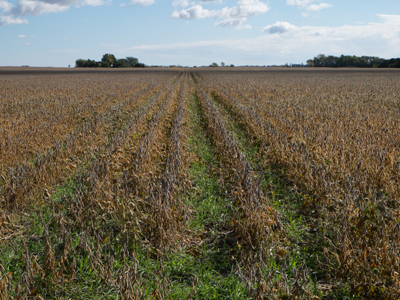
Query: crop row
[46,168]
[34,117]
[340,143]
[111,204]
[256,223]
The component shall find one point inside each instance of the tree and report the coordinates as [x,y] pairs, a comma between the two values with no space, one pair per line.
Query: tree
[132,61]
[108,60]
[320,60]
[92,64]
[222,64]
[350,61]
[342,61]
[214,64]
[140,65]
[80,63]
[331,61]
[121,63]
[105,64]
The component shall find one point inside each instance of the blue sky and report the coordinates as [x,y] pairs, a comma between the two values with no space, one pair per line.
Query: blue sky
[185,32]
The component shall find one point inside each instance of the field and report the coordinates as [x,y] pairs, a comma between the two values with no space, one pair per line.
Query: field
[203,183]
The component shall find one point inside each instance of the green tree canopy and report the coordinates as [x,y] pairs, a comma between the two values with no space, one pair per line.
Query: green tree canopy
[82,63]
[133,61]
[108,60]
[121,63]
[349,61]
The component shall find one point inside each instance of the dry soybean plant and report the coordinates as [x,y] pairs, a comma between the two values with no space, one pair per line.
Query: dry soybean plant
[95,170]
[336,134]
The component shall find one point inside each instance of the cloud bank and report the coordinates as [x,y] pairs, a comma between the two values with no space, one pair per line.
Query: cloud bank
[283,39]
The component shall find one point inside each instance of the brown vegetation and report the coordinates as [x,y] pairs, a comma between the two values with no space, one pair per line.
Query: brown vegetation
[336,135]
[121,138]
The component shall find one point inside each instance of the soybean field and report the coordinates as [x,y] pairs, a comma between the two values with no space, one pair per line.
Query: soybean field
[200,183]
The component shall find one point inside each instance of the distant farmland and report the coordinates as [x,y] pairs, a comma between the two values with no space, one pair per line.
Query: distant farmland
[206,183]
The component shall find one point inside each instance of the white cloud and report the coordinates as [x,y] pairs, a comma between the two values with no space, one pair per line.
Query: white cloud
[279,28]
[10,20]
[245,8]
[301,3]
[230,22]
[234,16]
[5,6]
[36,8]
[195,12]
[60,2]
[21,36]
[388,29]
[185,3]
[318,7]
[182,3]
[28,44]
[308,6]
[236,23]
[94,2]
[139,2]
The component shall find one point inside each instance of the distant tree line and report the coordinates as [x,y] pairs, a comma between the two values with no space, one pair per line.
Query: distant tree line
[109,61]
[353,61]
[214,64]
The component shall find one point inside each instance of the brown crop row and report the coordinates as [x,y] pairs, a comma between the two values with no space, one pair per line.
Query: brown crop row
[337,136]
[31,178]
[35,112]
[107,205]
[257,225]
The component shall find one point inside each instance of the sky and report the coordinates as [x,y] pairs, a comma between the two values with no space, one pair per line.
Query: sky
[195,32]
